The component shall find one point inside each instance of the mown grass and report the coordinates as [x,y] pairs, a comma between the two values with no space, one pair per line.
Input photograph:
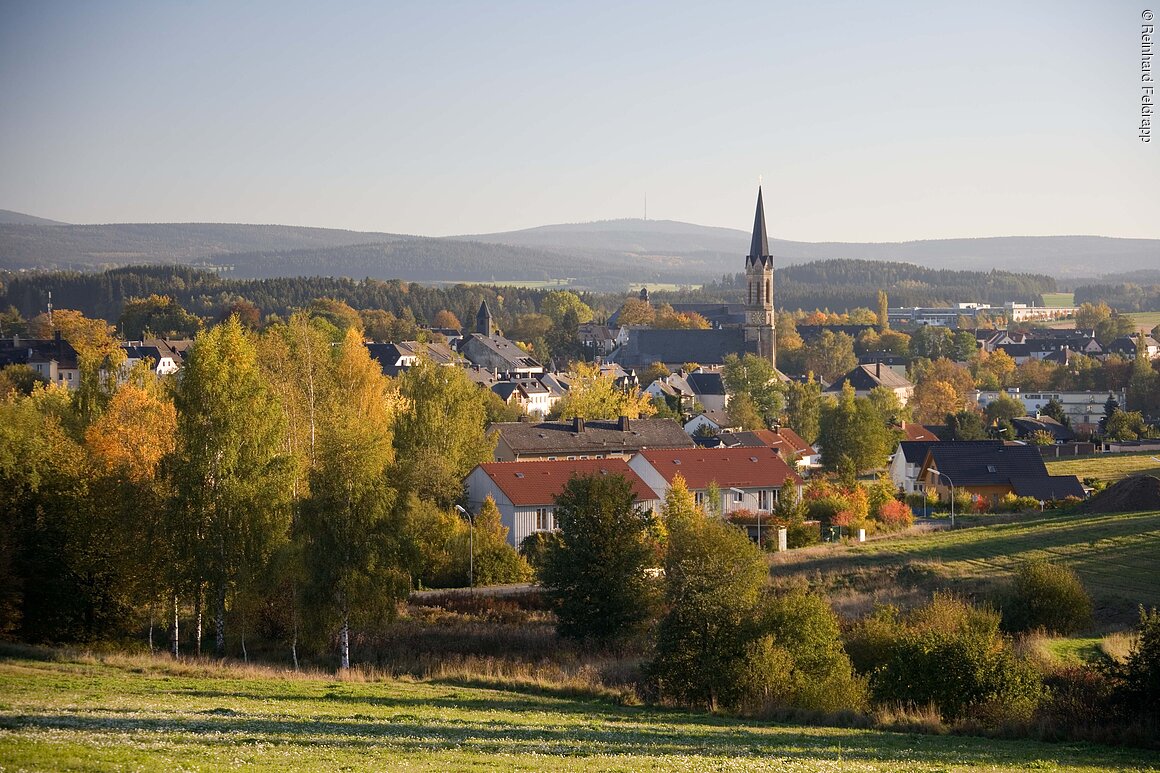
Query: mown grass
[141,713]
[1145,320]
[1115,556]
[1109,467]
[1059,300]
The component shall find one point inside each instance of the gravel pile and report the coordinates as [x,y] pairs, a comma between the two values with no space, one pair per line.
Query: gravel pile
[1139,492]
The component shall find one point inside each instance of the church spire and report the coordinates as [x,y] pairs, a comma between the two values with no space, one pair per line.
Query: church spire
[483,324]
[759,246]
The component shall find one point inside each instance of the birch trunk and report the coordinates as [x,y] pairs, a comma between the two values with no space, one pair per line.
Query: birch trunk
[176,639]
[197,621]
[344,643]
[220,622]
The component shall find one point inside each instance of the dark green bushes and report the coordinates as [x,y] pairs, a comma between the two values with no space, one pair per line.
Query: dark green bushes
[1047,596]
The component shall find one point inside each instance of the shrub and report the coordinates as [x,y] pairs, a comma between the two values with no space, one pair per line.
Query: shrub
[895,515]
[1048,596]
[535,547]
[949,654]
[1141,672]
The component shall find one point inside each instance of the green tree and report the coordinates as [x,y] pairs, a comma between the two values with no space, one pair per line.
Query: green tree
[713,581]
[1125,425]
[354,566]
[595,395]
[883,312]
[495,561]
[439,434]
[755,377]
[595,575]
[1004,408]
[743,413]
[852,435]
[558,303]
[232,474]
[803,407]
[1049,596]
[157,315]
[831,355]
[1054,410]
[966,425]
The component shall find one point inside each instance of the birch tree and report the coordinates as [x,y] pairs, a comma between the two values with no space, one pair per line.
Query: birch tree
[231,471]
[353,560]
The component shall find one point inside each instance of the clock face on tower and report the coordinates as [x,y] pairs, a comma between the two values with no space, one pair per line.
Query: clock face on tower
[756,317]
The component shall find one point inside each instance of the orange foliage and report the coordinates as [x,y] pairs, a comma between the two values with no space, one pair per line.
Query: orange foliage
[133,434]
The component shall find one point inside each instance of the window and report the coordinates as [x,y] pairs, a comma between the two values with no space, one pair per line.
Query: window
[699,498]
[763,499]
[738,497]
[543,519]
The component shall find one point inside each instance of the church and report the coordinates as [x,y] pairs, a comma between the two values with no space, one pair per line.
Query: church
[756,335]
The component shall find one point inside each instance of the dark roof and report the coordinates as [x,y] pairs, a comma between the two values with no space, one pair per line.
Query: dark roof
[707,347]
[596,437]
[497,349]
[706,383]
[865,377]
[759,244]
[968,465]
[914,451]
[138,352]
[883,357]
[1048,487]
[25,350]
[782,439]
[716,314]
[1025,425]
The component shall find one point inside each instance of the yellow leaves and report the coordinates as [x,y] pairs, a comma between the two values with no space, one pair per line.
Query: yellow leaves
[595,395]
[134,433]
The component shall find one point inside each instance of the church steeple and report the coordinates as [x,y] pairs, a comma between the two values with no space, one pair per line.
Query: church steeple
[759,244]
[760,334]
[483,319]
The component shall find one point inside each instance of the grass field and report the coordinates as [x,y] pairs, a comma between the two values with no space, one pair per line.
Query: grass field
[1145,320]
[1116,556]
[1109,467]
[145,714]
[1059,300]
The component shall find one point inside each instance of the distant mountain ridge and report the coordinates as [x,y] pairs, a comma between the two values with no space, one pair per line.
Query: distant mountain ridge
[8,217]
[600,255]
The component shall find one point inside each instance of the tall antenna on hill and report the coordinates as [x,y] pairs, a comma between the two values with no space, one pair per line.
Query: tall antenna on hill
[50,308]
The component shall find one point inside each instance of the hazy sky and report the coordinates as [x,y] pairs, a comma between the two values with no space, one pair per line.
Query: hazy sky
[868,121]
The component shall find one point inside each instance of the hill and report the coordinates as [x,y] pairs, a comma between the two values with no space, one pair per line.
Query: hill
[68,712]
[1114,556]
[1059,256]
[8,217]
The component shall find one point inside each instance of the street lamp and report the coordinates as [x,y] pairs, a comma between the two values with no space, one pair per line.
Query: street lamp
[948,477]
[471,544]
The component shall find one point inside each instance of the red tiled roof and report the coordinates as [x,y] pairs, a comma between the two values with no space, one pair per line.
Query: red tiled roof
[915,431]
[539,482]
[727,467]
[784,437]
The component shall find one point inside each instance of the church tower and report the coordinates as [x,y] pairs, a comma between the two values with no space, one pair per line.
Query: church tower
[759,318]
[483,323]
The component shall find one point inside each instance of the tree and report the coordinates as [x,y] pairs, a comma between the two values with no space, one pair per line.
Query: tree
[595,575]
[803,407]
[495,561]
[742,412]
[231,471]
[1144,383]
[966,425]
[353,561]
[1125,425]
[1089,315]
[440,434]
[755,377]
[1054,410]
[888,405]
[1113,327]
[1111,405]
[713,581]
[157,315]
[931,342]
[652,372]
[999,365]
[831,355]
[557,303]
[852,435]
[635,313]
[337,313]
[1004,408]
[933,400]
[595,395]
[446,319]
[1048,596]
[883,311]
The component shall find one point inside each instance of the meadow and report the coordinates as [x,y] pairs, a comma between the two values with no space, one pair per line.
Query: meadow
[61,711]
[1106,467]
[1145,320]
[1059,300]
[1115,557]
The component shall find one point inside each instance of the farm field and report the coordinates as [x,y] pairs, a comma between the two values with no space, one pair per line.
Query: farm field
[1059,300]
[1115,556]
[1145,320]
[1109,467]
[82,713]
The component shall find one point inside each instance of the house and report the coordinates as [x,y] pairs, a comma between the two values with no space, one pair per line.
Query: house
[525,492]
[396,357]
[162,364]
[906,463]
[529,394]
[580,439]
[710,422]
[709,388]
[1026,426]
[748,478]
[991,472]
[498,353]
[1125,346]
[913,431]
[674,348]
[866,377]
[1084,409]
[53,359]
[788,444]
[892,361]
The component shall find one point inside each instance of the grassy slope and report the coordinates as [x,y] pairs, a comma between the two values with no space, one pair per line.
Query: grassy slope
[1145,320]
[1114,555]
[146,715]
[1108,467]
[1058,300]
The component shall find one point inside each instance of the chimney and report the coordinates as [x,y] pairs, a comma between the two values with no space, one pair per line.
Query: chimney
[577,424]
[878,369]
[622,425]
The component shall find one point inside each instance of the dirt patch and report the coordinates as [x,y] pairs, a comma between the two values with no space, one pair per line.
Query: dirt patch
[1130,495]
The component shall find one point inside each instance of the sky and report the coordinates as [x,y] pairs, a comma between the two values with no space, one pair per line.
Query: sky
[884,121]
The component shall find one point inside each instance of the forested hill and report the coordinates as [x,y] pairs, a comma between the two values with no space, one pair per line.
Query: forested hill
[837,285]
[840,285]
[8,217]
